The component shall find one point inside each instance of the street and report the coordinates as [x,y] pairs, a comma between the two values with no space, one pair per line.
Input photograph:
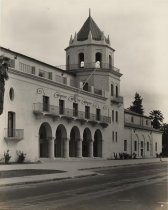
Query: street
[133,187]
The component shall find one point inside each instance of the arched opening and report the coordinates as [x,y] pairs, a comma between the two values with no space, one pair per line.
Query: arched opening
[116,91]
[98,59]
[110,62]
[68,66]
[97,145]
[86,142]
[45,133]
[81,60]
[73,143]
[61,136]
[86,86]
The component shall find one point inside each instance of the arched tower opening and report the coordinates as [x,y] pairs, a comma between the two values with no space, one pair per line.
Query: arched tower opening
[68,63]
[81,60]
[98,60]
[110,62]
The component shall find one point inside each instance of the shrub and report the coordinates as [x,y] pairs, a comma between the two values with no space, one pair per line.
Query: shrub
[7,157]
[20,156]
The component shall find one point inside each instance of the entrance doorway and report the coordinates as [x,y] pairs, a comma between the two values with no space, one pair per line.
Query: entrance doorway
[73,144]
[61,136]
[97,144]
[85,142]
[45,134]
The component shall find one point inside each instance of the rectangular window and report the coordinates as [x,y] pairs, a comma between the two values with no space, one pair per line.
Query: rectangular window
[112,90]
[117,116]
[116,136]
[98,113]
[148,146]
[112,115]
[61,106]
[11,124]
[45,103]
[12,63]
[135,145]
[75,109]
[113,136]
[64,79]
[50,75]
[141,144]
[41,73]
[87,112]
[155,146]
[125,145]
[33,69]
[132,119]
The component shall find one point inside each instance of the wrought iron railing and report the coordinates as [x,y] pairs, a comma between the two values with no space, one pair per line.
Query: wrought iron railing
[14,133]
[118,99]
[92,65]
[98,91]
[61,80]
[70,113]
[133,125]
[105,119]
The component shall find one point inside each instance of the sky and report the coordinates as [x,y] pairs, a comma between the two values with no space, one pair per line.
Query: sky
[138,31]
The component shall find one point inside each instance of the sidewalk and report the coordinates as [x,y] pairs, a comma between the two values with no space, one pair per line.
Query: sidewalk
[72,167]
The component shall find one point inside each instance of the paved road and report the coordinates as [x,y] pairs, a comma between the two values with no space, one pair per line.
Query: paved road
[139,187]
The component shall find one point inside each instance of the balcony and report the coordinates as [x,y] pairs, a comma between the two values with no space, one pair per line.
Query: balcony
[89,66]
[67,114]
[92,119]
[81,117]
[138,126]
[99,92]
[117,100]
[51,110]
[104,121]
[14,134]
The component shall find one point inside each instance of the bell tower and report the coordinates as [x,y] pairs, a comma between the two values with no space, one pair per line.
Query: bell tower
[89,48]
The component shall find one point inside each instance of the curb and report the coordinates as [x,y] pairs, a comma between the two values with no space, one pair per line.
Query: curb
[47,180]
[122,165]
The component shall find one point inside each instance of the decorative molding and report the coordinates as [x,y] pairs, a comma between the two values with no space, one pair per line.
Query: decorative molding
[40,91]
[58,95]
[50,82]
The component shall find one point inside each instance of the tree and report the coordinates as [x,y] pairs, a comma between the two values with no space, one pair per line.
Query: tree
[164,129]
[137,104]
[157,118]
[4,64]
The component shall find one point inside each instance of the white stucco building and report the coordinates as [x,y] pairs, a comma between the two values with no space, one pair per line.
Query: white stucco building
[74,110]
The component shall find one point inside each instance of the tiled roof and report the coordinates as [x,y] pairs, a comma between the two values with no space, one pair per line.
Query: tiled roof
[88,26]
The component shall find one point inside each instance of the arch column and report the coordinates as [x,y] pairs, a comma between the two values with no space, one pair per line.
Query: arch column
[51,147]
[91,148]
[66,147]
[79,148]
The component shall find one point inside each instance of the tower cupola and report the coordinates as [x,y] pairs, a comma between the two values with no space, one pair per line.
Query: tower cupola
[89,48]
